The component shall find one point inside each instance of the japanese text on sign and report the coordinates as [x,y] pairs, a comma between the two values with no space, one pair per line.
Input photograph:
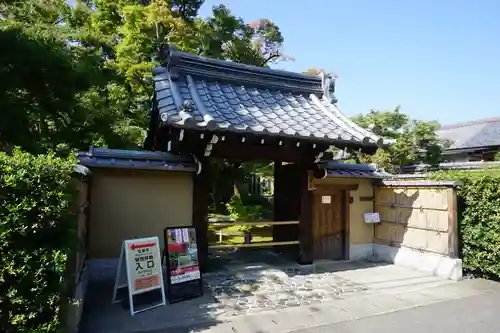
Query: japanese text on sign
[182,255]
[145,268]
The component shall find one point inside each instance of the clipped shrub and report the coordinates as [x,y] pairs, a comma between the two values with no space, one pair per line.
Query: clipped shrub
[241,211]
[37,235]
[479,220]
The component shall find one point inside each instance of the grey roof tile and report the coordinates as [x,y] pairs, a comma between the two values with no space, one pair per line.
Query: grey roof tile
[354,170]
[135,159]
[472,134]
[451,166]
[246,98]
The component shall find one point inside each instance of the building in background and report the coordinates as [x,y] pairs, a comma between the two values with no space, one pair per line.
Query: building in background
[477,140]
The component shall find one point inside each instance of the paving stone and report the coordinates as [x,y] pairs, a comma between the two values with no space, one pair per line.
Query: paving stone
[270,289]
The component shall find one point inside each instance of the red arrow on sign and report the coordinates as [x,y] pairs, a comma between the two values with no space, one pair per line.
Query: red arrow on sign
[140,246]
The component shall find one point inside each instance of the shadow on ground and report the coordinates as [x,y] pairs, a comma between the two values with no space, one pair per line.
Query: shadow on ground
[242,283]
[100,316]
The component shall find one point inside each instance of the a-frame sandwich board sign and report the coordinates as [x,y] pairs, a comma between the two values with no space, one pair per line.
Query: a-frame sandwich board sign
[140,271]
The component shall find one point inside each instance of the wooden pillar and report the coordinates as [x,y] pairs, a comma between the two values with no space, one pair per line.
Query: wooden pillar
[200,212]
[453,230]
[278,195]
[279,203]
[286,207]
[305,218]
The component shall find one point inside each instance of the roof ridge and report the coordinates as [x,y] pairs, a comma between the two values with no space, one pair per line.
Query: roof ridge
[178,61]
[470,123]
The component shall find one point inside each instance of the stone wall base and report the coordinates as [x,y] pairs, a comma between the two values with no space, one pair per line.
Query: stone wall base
[439,265]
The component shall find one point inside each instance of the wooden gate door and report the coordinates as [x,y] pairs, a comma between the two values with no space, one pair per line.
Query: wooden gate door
[329,224]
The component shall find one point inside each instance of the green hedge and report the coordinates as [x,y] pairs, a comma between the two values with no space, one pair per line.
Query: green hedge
[479,220]
[37,234]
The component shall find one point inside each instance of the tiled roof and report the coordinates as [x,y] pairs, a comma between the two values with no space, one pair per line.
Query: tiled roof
[197,92]
[82,170]
[472,134]
[355,170]
[135,159]
[451,166]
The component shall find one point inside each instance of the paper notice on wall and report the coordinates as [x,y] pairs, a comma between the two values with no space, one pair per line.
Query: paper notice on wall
[185,235]
[178,236]
[326,199]
[372,217]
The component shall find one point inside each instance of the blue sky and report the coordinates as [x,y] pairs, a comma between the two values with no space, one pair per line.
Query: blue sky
[438,59]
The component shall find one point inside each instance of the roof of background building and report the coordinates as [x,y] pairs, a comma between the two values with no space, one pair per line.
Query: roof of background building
[472,134]
[451,166]
[203,93]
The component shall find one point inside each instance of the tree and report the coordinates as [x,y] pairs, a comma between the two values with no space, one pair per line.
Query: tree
[41,78]
[413,141]
[225,36]
[102,52]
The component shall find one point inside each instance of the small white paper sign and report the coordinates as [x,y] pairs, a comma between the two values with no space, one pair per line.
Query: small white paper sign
[326,199]
[372,217]
[185,235]
[178,236]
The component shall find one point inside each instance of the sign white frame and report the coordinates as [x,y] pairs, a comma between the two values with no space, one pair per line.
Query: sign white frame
[124,266]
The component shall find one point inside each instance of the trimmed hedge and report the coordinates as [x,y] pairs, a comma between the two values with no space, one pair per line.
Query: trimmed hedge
[479,220]
[37,235]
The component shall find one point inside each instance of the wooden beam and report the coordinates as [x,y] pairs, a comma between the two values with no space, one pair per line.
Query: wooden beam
[328,188]
[258,244]
[412,206]
[200,211]
[233,142]
[270,223]
[253,152]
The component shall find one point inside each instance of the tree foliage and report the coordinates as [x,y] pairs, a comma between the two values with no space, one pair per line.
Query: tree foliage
[37,238]
[74,74]
[41,78]
[79,75]
[478,219]
[412,141]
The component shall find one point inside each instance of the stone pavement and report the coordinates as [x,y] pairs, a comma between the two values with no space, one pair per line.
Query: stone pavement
[464,306]
[247,291]
[259,298]
[465,315]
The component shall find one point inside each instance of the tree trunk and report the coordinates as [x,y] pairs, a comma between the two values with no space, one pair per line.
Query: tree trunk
[248,237]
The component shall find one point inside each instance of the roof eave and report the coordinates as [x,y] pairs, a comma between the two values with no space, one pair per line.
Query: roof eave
[329,141]
[135,159]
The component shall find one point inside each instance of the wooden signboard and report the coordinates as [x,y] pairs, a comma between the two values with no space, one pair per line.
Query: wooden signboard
[140,270]
[184,279]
